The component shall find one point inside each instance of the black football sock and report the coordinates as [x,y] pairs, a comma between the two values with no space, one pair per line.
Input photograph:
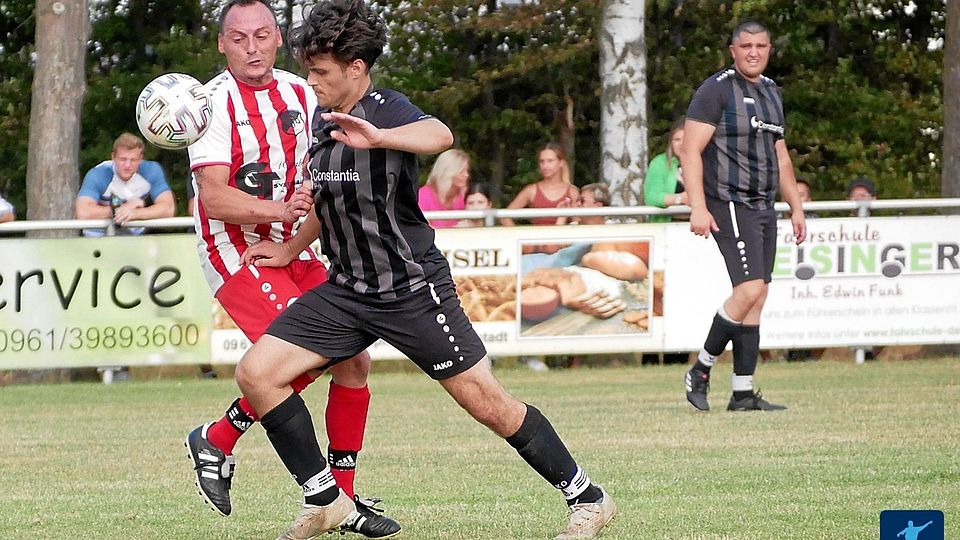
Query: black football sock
[721,332]
[290,430]
[746,351]
[539,445]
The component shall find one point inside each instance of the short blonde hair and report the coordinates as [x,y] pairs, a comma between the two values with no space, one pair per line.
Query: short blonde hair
[127,141]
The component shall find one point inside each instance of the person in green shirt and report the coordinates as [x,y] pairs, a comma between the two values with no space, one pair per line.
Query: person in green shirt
[663,185]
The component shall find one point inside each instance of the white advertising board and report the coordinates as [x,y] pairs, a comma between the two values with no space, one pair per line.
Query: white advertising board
[855,281]
[590,289]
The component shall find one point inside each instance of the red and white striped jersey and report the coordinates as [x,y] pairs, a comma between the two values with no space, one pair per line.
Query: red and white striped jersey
[262,134]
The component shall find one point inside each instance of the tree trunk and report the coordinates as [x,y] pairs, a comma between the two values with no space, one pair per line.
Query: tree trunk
[950,182]
[623,101]
[58,87]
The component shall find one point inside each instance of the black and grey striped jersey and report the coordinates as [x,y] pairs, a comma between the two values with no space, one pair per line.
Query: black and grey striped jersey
[740,162]
[371,228]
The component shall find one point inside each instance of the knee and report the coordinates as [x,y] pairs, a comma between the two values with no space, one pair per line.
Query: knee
[353,372]
[251,372]
[751,293]
[244,375]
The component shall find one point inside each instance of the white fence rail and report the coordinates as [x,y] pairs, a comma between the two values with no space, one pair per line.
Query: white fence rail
[491,217]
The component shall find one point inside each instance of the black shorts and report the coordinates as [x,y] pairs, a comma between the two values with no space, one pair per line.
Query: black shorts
[427,325]
[747,240]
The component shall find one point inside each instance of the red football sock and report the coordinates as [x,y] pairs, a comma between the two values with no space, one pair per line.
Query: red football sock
[225,433]
[346,418]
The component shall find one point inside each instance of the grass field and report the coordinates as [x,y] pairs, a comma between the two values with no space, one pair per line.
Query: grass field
[86,460]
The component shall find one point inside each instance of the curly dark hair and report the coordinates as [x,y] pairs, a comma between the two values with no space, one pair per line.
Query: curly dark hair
[345,29]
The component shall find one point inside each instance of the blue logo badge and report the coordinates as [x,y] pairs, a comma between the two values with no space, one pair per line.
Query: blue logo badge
[911,525]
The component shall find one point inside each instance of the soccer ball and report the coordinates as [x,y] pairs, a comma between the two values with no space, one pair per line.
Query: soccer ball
[173,111]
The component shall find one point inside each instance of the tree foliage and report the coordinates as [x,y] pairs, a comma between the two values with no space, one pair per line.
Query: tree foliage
[17,29]
[505,78]
[132,42]
[862,81]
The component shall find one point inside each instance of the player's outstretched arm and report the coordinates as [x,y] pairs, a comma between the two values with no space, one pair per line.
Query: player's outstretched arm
[230,205]
[427,136]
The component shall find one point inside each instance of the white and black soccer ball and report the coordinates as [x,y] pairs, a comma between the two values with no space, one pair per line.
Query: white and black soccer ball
[173,111]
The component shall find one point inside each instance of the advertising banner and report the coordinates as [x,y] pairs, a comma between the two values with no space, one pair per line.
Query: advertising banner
[855,281]
[129,300]
[543,290]
[528,290]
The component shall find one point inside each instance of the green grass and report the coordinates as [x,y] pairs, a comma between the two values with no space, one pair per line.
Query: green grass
[86,460]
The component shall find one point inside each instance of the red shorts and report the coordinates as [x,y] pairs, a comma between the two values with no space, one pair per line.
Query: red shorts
[253,297]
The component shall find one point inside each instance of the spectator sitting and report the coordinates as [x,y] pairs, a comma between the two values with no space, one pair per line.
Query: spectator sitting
[124,188]
[478,198]
[446,186]
[861,189]
[663,185]
[803,186]
[7,212]
[553,190]
[591,196]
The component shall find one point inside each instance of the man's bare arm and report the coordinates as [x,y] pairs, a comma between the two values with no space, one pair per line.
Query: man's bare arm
[87,208]
[222,202]
[696,137]
[163,206]
[790,192]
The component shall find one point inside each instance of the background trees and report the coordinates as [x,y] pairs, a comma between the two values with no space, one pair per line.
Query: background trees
[862,82]
[131,43]
[507,78]
[951,113]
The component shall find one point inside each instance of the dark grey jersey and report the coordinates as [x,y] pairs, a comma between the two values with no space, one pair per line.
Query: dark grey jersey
[740,162]
[372,229]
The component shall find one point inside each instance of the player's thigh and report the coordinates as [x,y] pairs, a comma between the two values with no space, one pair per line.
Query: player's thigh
[274,363]
[740,240]
[253,297]
[430,327]
[354,371]
[324,320]
[768,228]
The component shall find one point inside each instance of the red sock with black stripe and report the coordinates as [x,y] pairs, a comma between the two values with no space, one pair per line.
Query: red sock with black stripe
[346,417]
[225,433]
